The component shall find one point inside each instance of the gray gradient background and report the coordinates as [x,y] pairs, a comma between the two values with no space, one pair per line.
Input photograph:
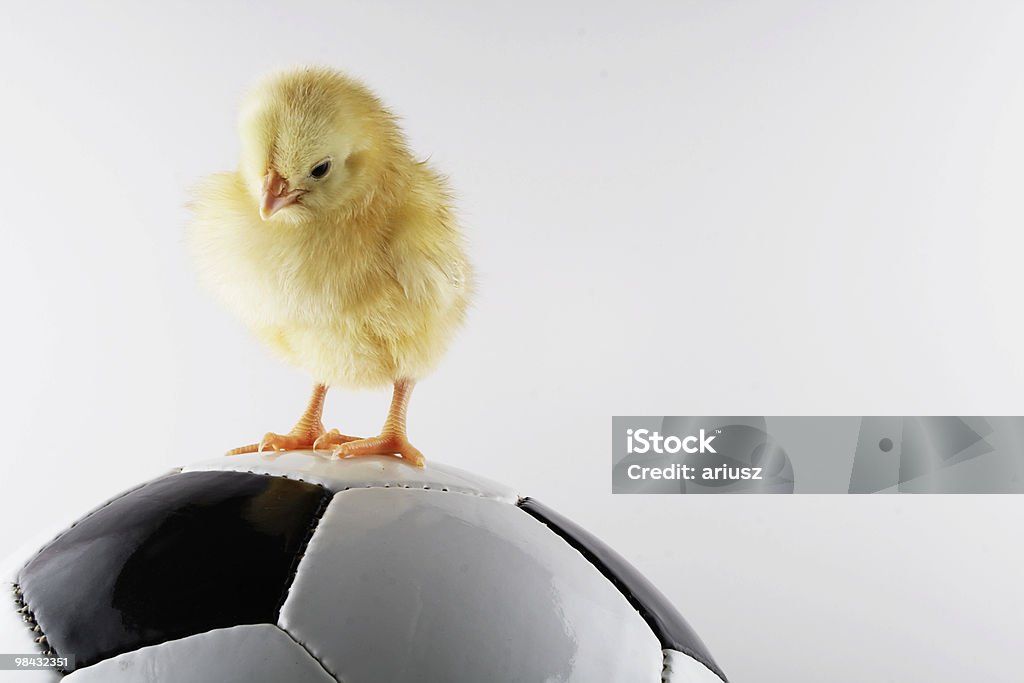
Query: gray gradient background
[781,208]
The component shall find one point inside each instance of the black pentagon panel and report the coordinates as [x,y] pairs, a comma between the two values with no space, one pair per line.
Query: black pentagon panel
[182,555]
[664,619]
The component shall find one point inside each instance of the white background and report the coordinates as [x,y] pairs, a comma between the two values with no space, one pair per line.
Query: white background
[675,208]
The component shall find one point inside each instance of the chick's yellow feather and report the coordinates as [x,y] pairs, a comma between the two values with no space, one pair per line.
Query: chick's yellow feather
[363,279]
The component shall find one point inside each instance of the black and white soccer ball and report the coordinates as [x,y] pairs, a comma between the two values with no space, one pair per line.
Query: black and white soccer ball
[300,568]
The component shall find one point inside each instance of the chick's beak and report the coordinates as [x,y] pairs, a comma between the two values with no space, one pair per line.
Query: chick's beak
[276,195]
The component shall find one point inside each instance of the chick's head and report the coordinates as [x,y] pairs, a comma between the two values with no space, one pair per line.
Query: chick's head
[314,141]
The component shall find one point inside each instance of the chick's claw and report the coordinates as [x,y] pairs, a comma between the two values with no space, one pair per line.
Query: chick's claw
[327,440]
[386,444]
[308,441]
[277,442]
[286,442]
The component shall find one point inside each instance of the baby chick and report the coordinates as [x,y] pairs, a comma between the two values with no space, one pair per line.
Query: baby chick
[336,248]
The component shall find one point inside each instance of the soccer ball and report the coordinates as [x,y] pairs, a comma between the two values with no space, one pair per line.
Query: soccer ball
[302,568]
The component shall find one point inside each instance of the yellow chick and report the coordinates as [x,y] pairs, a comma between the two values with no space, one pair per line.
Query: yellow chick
[336,248]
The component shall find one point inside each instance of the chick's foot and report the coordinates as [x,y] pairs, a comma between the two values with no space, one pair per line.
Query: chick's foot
[307,435]
[276,442]
[328,440]
[393,444]
[296,441]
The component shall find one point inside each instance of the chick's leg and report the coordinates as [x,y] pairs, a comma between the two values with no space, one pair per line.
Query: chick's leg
[392,439]
[308,432]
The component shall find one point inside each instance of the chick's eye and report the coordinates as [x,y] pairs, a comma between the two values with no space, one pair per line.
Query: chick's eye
[321,169]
